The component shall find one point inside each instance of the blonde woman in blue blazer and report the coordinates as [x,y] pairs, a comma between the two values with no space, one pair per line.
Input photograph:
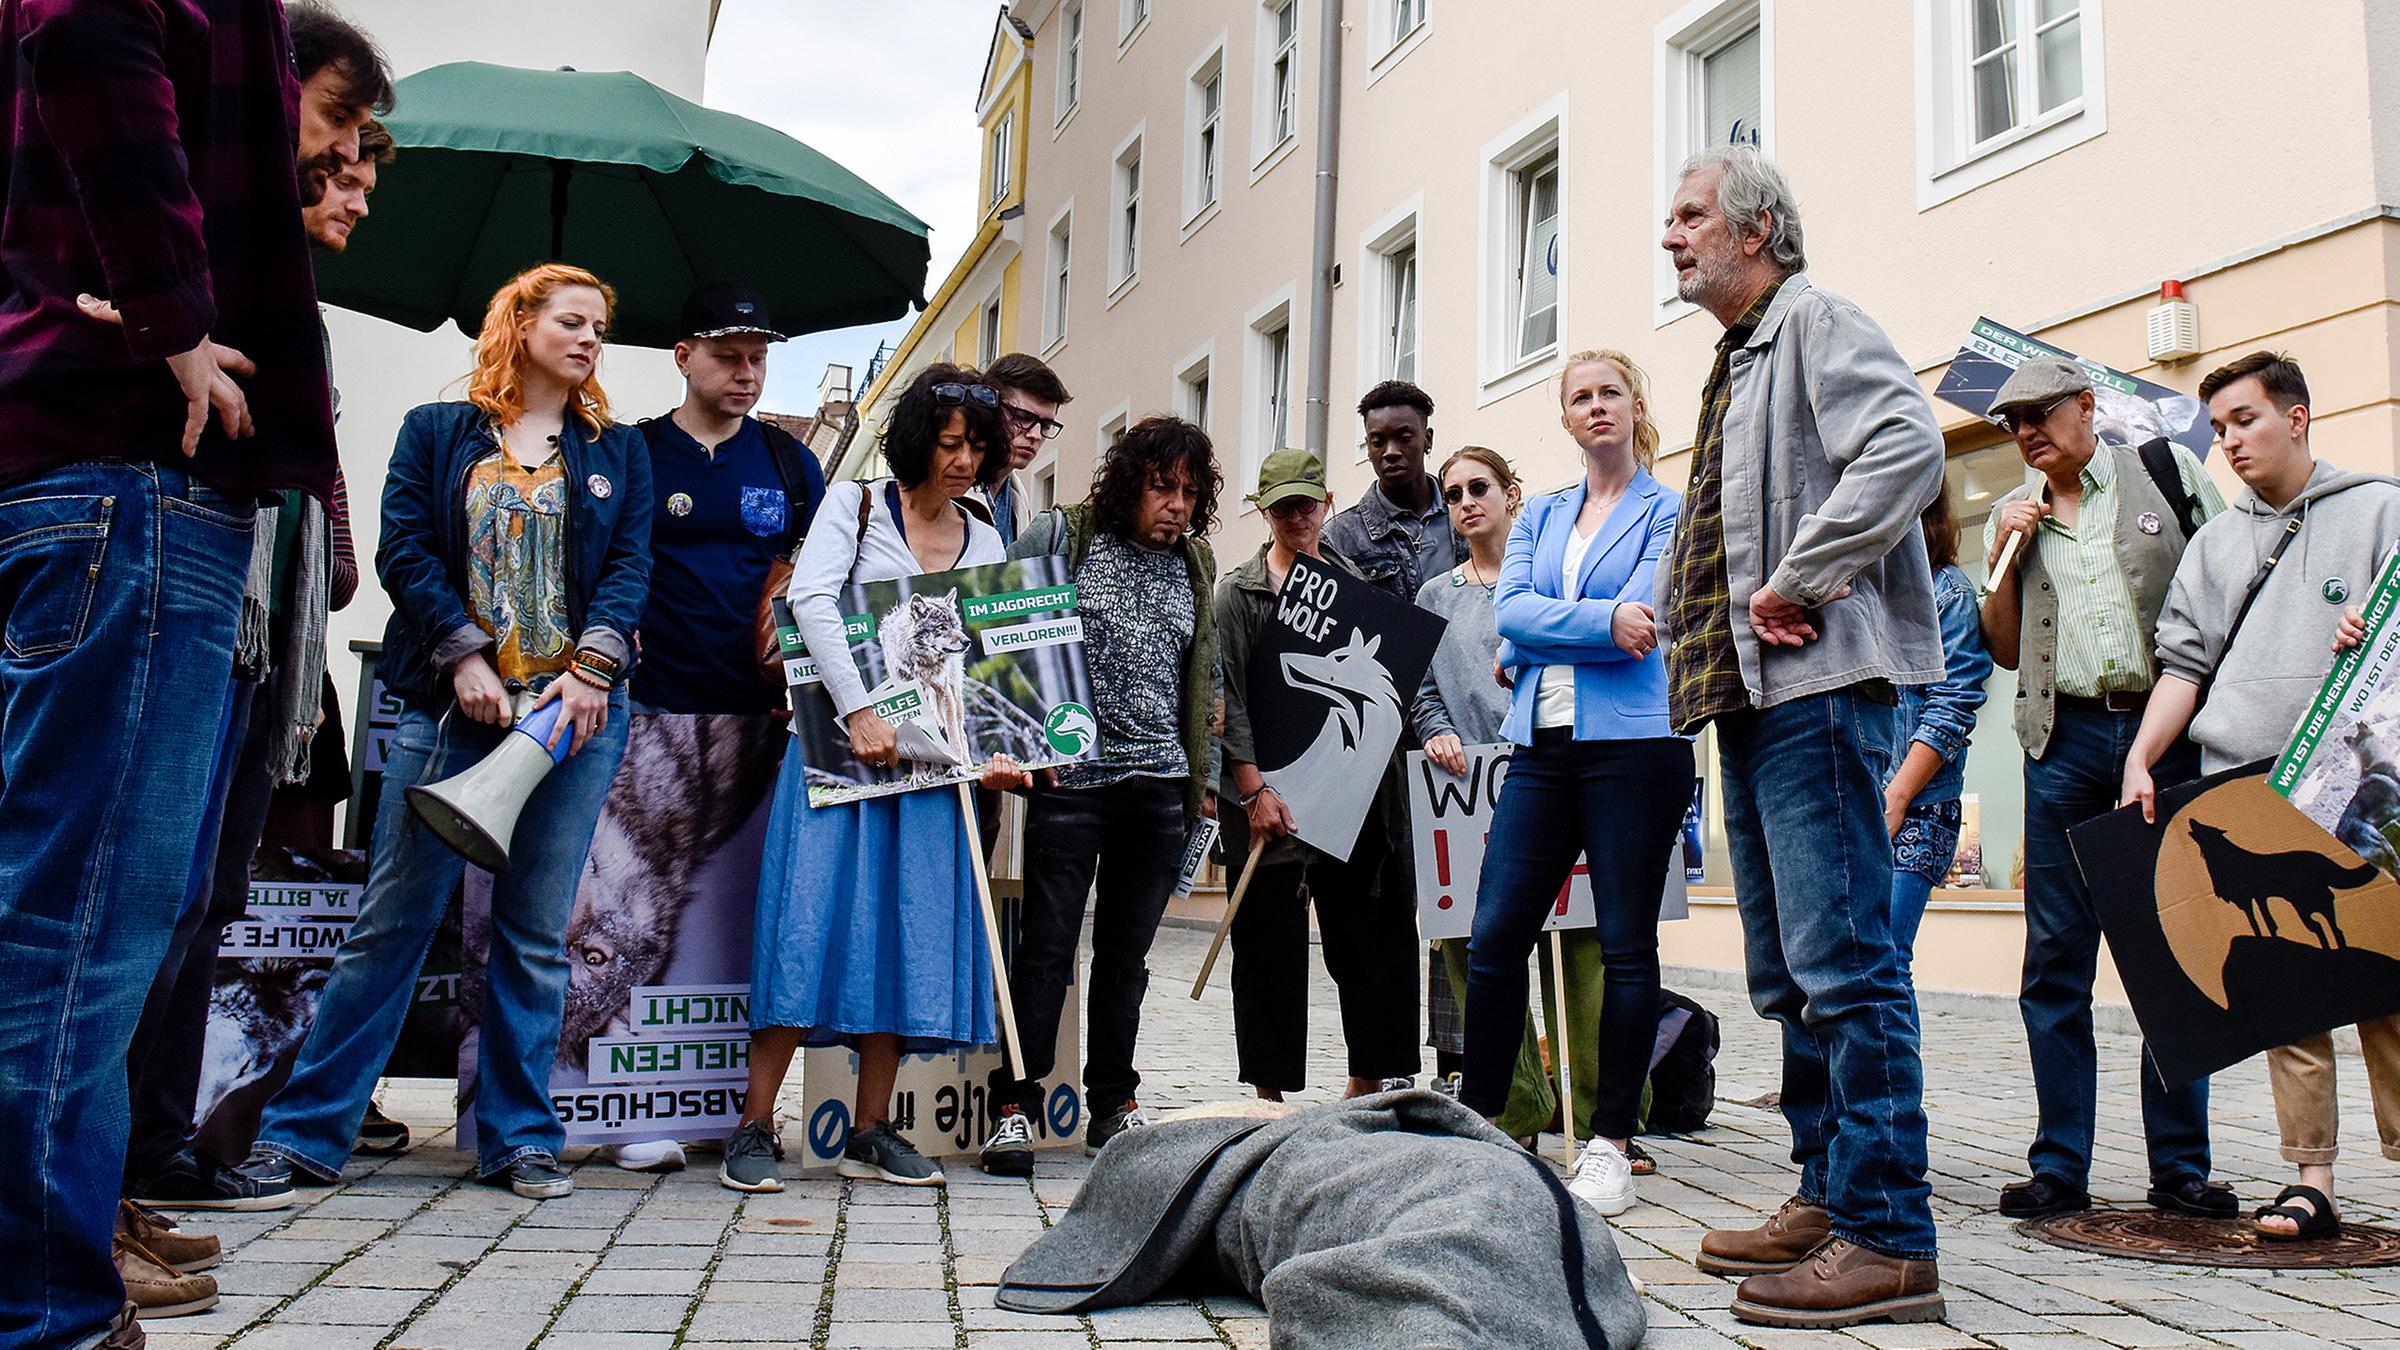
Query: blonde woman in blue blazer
[1597,772]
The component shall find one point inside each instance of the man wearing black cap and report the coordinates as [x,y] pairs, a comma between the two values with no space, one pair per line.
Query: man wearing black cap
[733,494]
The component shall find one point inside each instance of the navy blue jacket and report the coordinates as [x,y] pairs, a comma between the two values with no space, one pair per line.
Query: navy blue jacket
[422,554]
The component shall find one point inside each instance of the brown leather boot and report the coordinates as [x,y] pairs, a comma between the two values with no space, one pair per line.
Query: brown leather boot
[1777,1245]
[1842,1285]
[187,1252]
[158,1289]
[125,1331]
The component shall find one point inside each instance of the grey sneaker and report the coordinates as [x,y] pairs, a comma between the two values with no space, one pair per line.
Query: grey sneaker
[750,1159]
[272,1173]
[1130,1116]
[536,1176]
[880,1154]
[1009,1152]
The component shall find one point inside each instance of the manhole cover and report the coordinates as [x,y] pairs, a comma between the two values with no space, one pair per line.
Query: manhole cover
[2148,1235]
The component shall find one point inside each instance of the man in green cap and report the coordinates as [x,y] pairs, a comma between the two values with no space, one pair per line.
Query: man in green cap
[1370,937]
[2096,530]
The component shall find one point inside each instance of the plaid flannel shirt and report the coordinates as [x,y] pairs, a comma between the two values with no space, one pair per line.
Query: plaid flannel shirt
[148,156]
[1704,675]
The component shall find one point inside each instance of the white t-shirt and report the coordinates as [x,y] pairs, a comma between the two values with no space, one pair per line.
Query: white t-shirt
[1554,698]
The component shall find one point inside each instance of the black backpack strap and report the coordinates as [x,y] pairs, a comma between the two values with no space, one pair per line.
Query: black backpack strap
[2158,459]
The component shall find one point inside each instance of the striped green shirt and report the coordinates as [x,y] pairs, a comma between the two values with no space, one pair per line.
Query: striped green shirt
[2101,646]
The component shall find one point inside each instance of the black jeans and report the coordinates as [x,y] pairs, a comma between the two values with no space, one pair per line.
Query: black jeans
[1370,937]
[1619,805]
[1130,836]
[163,1065]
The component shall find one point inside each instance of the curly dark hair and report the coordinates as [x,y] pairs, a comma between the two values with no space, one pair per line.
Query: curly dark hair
[1147,453]
[321,38]
[1397,394]
[918,418]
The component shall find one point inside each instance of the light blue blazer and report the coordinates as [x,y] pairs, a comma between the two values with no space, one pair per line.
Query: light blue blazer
[1616,696]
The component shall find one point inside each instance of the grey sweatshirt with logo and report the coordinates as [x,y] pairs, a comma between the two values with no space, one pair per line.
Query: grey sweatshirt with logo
[2350,523]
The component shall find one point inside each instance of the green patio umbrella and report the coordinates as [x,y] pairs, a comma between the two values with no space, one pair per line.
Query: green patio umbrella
[501,168]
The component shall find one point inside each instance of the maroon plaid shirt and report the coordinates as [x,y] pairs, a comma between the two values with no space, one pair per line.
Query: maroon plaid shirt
[148,159]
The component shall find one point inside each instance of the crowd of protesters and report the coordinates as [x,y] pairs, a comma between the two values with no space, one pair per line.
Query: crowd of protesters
[174,533]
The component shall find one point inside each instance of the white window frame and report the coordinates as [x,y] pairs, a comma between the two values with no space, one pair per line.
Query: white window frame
[1132,17]
[1003,158]
[1126,174]
[987,329]
[1058,276]
[1044,472]
[1196,386]
[1204,139]
[1399,229]
[1948,163]
[1685,40]
[1269,141]
[1391,43]
[1269,317]
[1540,135]
[1112,425]
[1072,29]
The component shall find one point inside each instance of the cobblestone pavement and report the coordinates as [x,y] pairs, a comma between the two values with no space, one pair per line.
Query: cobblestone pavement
[408,1252]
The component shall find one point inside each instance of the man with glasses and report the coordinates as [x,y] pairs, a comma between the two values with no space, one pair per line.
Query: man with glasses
[1030,396]
[2097,531]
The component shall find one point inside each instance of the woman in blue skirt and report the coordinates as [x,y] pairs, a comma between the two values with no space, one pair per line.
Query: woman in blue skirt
[868,931]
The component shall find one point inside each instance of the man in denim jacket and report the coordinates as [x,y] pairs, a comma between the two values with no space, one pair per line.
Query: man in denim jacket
[1796,599]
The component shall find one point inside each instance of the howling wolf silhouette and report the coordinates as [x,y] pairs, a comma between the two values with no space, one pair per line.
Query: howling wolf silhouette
[2251,882]
[1332,777]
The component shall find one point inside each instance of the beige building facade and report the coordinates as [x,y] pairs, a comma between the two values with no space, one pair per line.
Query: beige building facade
[1501,176]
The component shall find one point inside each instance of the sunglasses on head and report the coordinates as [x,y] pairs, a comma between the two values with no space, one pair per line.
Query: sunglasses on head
[1473,487]
[2017,418]
[954,395]
[1020,417]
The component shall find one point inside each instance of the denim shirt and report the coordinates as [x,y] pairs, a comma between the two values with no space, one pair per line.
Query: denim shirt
[1396,549]
[1942,714]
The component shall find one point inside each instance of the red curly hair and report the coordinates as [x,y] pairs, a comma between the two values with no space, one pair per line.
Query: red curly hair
[497,384]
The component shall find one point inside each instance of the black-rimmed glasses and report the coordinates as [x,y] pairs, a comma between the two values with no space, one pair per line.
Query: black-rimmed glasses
[1025,417]
[953,395]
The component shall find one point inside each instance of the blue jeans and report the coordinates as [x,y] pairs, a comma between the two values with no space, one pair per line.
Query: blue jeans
[1921,856]
[120,590]
[314,1119]
[1812,874]
[1614,804]
[2078,777]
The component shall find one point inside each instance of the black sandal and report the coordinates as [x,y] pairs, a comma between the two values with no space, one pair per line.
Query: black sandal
[1643,1164]
[2317,1222]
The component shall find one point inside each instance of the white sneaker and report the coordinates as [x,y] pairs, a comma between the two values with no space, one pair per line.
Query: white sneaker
[650,1155]
[1603,1179]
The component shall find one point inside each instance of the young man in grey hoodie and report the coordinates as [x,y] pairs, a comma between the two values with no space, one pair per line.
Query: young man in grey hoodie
[2260,670]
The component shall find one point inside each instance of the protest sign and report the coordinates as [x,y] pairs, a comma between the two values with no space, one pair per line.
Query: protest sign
[1330,680]
[1695,835]
[2238,923]
[941,1101]
[1453,817]
[1195,856]
[271,969]
[2342,765]
[2126,409]
[967,664]
[654,1041]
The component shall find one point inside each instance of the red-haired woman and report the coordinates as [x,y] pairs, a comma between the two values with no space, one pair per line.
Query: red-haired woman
[516,550]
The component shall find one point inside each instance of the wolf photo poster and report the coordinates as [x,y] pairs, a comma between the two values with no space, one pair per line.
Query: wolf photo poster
[1330,682]
[2238,923]
[654,1042]
[2126,409]
[965,665]
[2342,766]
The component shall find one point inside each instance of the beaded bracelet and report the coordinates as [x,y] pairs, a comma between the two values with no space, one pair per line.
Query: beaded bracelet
[583,674]
[596,666]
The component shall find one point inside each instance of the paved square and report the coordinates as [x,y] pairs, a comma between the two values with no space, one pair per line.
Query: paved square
[410,1253]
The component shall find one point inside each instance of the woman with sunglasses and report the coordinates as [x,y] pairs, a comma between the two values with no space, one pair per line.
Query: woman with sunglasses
[1459,705]
[1597,771]
[868,932]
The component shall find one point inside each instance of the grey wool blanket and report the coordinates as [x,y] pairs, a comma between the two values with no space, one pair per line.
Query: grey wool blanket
[1391,1221]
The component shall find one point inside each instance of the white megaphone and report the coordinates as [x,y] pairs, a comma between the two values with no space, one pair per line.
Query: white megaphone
[475,812]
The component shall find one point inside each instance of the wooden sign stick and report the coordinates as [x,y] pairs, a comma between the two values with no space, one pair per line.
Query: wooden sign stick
[991,929]
[1566,1086]
[1232,907]
[2008,554]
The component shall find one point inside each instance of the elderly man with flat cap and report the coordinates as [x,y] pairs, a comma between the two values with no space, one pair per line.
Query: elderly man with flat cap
[2092,538]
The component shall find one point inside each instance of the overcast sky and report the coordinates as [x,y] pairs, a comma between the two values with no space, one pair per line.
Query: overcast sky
[887,89]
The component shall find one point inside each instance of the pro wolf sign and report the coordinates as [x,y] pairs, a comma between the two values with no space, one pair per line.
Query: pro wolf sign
[1330,677]
[2238,923]
[1453,823]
